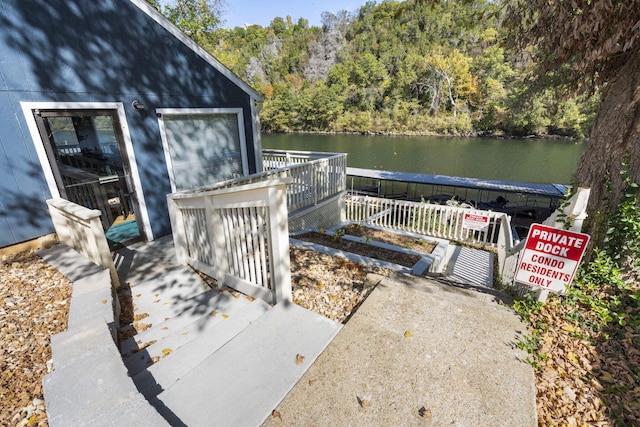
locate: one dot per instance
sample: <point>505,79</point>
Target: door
<point>85,150</point>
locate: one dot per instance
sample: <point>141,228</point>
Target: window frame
<point>238,112</point>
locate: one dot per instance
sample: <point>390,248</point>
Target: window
<point>203,146</point>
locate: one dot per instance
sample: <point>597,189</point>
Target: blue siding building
<point>108,104</point>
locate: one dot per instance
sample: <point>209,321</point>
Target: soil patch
<point>391,238</point>
<point>365,249</point>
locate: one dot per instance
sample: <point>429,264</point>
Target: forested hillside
<point>397,67</point>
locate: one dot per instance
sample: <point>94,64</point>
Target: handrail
<point>314,176</point>
<point>238,235</point>
<point>81,229</point>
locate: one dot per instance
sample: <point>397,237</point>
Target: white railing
<point>81,229</point>
<point>238,235</point>
<point>428,219</point>
<point>314,177</point>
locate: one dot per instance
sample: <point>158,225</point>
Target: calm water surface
<point>530,160</point>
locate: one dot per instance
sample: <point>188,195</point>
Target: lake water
<point>526,160</point>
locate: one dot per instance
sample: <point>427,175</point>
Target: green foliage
<point>622,238</point>
<point>396,66</point>
<point>196,18</point>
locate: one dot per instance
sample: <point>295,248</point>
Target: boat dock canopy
<point>548,190</point>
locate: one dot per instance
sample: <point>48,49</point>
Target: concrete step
<point>163,339</point>
<point>163,298</point>
<point>200,309</point>
<point>182,359</point>
<point>241,383</point>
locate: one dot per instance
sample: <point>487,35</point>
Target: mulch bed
<point>365,249</point>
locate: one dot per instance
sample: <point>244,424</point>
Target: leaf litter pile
<point>585,349</point>
<point>34,304</point>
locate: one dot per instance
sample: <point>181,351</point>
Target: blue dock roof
<point>548,190</point>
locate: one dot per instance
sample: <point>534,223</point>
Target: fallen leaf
<point>214,313</point>
<point>104,301</point>
<point>363,402</point>
<point>166,352</point>
<point>138,295</point>
<point>407,334</point>
<point>606,377</point>
<point>568,328</point>
<point>276,414</point>
<point>312,382</point>
<point>224,316</point>
<point>164,328</point>
<point>572,357</point>
<point>299,359</point>
<point>424,412</point>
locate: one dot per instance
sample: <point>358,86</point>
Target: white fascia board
<point>175,31</point>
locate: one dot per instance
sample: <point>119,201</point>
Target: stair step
<point>246,379</point>
<point>200,310</point>
<point>162,374</point>
<point>168,341</point>
<point>165,297</point>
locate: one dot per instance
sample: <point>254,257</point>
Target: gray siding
<point>95,51</point>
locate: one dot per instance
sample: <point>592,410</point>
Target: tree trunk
<point>615,134</point>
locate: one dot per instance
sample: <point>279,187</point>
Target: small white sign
<point>475,222</point>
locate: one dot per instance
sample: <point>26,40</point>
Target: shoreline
<point>434,134</point>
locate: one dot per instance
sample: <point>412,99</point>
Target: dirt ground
<point>337,241</point>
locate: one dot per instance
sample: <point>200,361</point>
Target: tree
<point>196,18</point>
<point>589,46</point>
<point>452,74</point>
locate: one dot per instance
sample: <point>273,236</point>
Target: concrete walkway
<point>418,352</point>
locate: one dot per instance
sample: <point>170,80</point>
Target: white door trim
<point>29,108</point>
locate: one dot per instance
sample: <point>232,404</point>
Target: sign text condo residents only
<point>551,257</point>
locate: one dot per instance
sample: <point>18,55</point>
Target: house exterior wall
<point>107,51</point>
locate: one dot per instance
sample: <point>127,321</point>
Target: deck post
<point>279,236</point>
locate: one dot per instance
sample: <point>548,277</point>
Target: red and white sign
<point>475,222</point>
<point>550,257</point>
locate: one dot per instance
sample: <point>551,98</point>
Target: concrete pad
<point>164,373</point>
<point>241,383</point>
<point>418,347</point>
